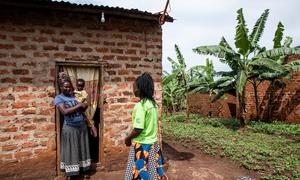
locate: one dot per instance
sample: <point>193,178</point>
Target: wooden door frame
<point>81,63</point>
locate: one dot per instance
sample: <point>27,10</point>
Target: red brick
<point>20,71</point>
<point>128,79</point>
<point>108,57</point>
<point>69,48</point>
<point>3,55</point>
<point>26,80</point>
<point>29,145</point>
<point>117,36</point>
<point>27,97</point>
<point>7,46</point>
<point>102,50</point>
<point>77,42</point>
<point>86,49</point>
<point>117,51</point>
<point>115,79</point>
<point>9,147</point>
<point>66,33</point>
<point>8,80</point>
<point>16,56</point>
<point>40,104</point>
<point>4,71</point>
<point>27,30</point>
<point>59,40</point>
<point>106,43</point>
<point>31,64</point>
<point>47,31</point>
<point>29,127</point>
<point>4,63</point>
<point>2,36</point>
<point>29,111</point>
<point>40,54</point>
<point>40,134</point>
<point>127,93</point>
<point>48,127</point>
<point>122,58</point>
<point>50,48</point>
<point>39,120</point>
<point>19,105</point>
<point>28,47</point>
<point>123,72</point>
<point>115,107</point>
<point>123,44</point>
<point>5,156</point>
<point>46,111</point>
<point>131,37</point>
<point>21,136</point>
<point>135,59</point>
<point>40,39</point>
<point>23,154</point>
<point>10,129</point>
<point>137,45</point>
<point>20,88</point>
<point>86,34</point>
<point>94,42</point>
<point>122,100</point>
<point>60,55</point>
<point>19,38</point>
<point>111,72</point>
<point>137,72</point>
<point>4,138</point>
<point>130,51</point>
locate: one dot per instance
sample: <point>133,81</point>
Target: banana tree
<point>247,61</point>
<point>181,76</point>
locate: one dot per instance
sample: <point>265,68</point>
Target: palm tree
<point>247,61</point>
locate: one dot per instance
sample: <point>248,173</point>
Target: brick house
<point>40,37</point>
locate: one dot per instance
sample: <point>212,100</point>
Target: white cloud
<point>205,22</point>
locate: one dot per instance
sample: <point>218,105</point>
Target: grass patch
<point>261,148</point>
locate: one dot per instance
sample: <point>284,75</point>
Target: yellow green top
<point>145,116</point>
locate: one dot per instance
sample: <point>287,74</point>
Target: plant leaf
<point>288,41</point>
<point>267,63</point>
<point>180,57</point>
<point>259,27</point>
<point>274,53</point>
<point>278,35</point>
<point>241,82</point>
<point>241,35</point>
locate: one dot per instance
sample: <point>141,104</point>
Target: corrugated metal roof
<point>85,8</point>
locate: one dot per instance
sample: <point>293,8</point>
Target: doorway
<point>92,74</point>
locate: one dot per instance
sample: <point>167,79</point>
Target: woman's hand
<point>93,131</point>
<point>83,105</point>
<point>127,141</point>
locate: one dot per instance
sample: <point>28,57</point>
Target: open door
<point>92,74</point>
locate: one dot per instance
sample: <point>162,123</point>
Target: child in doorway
<point>145,160</point>
<point>82,96</point>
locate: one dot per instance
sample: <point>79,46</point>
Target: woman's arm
<point>134,133</point>
<point>66,111</point>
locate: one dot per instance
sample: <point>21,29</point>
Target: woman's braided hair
<point>145,87</point>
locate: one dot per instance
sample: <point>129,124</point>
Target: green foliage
<point>278,35</point>
<point>265,148</point>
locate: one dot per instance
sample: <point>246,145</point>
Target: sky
<point>204,22</point>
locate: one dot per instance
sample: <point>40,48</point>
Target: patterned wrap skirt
<point>145,161</point>
<point>74,150</point>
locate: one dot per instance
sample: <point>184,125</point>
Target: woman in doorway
<point>145,159</point>
<point>74,147</point>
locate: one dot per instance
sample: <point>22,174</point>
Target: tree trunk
<point>270,100</point>
<point>256,99</point>
<point>241,110</point>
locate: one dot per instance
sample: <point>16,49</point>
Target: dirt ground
<point>182,164</point>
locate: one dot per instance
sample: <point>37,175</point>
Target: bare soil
<point>181,163</point>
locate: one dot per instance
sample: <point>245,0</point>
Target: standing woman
<point>145,158</point>
<point>74,147</point>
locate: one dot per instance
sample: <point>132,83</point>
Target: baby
<point>82,96</point>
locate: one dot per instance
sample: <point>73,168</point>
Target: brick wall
<point>31,42</point>
<point>199,103</point>
<point>286,101</point>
